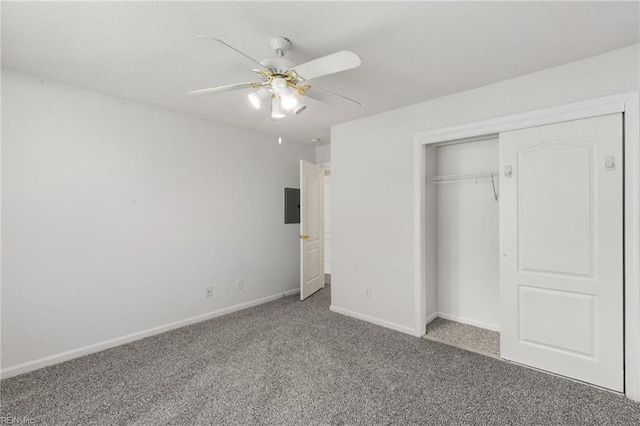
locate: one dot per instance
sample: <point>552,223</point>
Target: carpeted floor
<point>480,340</point>
<point>292,362</point>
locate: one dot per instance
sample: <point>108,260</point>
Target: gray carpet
<point>480,340</point>
<point>292,362</point>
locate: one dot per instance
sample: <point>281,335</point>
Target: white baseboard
<point>373,320</point>
<point>462,320</point>
<point>431,318</point>
<point>15,370</point>
<point>285,294</point>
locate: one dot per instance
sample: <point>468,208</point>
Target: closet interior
<point>463,182</point>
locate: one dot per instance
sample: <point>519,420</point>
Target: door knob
<point>304,236</point>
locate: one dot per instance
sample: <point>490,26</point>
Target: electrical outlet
<point>209,291</point>
<point>367,292</point>
<point>239,284</point>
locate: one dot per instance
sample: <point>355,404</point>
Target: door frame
<point>424,225</point>
<point>326,166</point>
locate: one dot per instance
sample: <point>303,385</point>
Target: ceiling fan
<point>284,85</point>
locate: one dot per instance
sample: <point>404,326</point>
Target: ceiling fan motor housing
<point>277,65</point>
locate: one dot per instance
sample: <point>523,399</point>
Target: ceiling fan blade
<point>247,57</point>
<point>336,62</point>
<point>220,89</point>
<point>331,98</point>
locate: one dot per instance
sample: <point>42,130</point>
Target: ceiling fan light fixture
<point>299,108</point>
<point>279,83</point>
<point>289,100</point>
<point>256,98</point>
<point>276,108</point>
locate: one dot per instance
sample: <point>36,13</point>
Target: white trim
<point>632,245</point>
<point>574,111</point>
<point>431,318</point>
<point>419,243</point>
<point>628,103</point>
<point>468,321</point>
<point>377,321</point>
<point>276,296</point>
<point>97,347</point>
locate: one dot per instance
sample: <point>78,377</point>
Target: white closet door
<point>561,270</point>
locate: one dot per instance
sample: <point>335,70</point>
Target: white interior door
<point>311,229</point>
<point>561,261</point>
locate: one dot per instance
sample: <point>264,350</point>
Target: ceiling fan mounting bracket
<point>280,45</point>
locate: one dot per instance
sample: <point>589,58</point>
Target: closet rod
<point>475,178</point>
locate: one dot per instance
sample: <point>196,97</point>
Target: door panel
<point>561,281</point>
<point>554,330</point>
<point>311,229</point>
<point>548,232</point>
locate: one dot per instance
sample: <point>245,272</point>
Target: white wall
<point>373,174</point>
<point>323,154</point>
<point>467,234</point>
<point>117,215</point>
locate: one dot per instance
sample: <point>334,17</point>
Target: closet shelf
<point>475,178</point>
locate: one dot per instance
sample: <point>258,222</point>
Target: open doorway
<point>464,181</point>
<point>327,222</point>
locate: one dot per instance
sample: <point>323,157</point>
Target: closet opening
<point>568,240</point>
<point>462,199</point>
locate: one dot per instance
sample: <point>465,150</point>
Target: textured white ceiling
<point>411,51</point>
